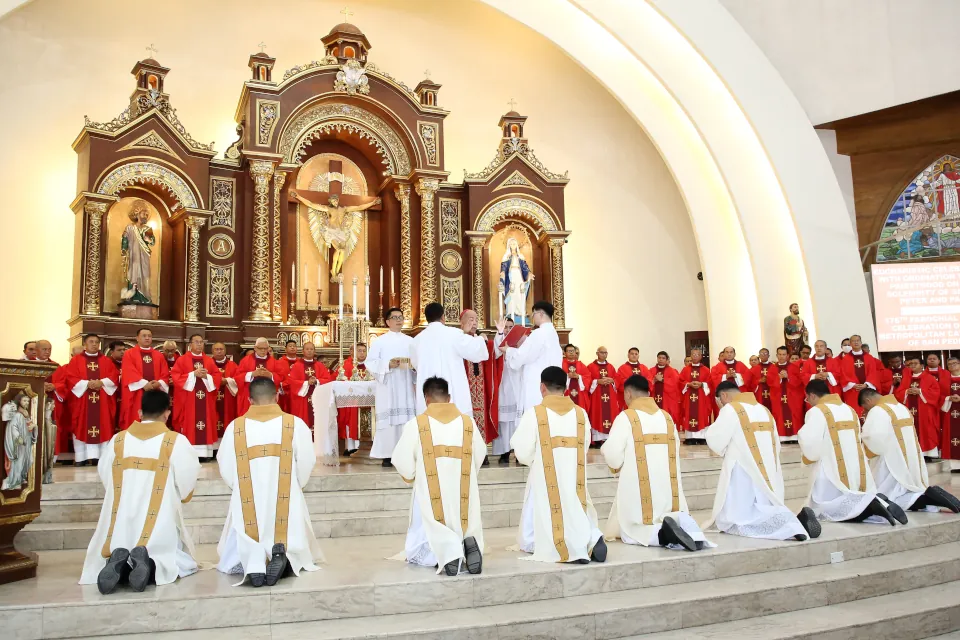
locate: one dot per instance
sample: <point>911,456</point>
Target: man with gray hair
<point>259,364</point>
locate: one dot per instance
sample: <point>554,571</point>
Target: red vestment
<point>226,400</point>
<point>857,369</point>
<point>61,410</point>
<point>790,398</point>
<point>348,418</point>
<point>666,393</point>
<point>950,439</point>
<point>924,407</point>
<point>720,371</point>
<point>139,364</point>
<point>92,413</point>
<point>605,399</point>
<point>170,362</point>
<point>816,365</point>
<point>248,365</point>
<point>484,396</point>
<point>284,366</point>
<point>767,387</point>
<point>626,370</point>
<point>580,396</point>
<point>943,379</point>
<point>696,405</point>
<point>896,377</point>
<point>302,406</point>
<point>195,411</point>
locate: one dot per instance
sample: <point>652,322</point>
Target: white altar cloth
<point>327,398</point>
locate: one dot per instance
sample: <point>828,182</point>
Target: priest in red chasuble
<point>950,440</point>
<point>259,364</point>
<point>484,380</point>
<point>196,379</point>
<point>144,369</point>
<point>63,399</point>
<point>858,371</point>
<point>348,418</point>
<point>665,386</point>
<point>632,367</point>
<point>696,406</point>
<point>820,366</point>
<point>604,396</point>
<point>227,392</point>
<point>93,381</point>
<point>891,375</point>
<point>578,378</point>
<point>941,374</point>
<point>304,377</point>
<point>791,396</point>
<point>284,366</point>
<point>729,368</point>
<point>920,393</point>
<point>767,390</point>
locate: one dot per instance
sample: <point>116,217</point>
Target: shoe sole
<point>945,499</point>
<point>256,578</point>
<point>452,568</point>
<point>471,551</point>
<point>599,553</point>
<point>894,509</point>
<point>140,573</point>
<point>115,570</point>
<point>276,568</point>
<point>682,537</point>
<point>808,519</point>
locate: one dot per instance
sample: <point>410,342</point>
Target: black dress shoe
<point>898,514</point>
<point>386,463</point>
<point>79,464</point>
<point>938,497</point>
<point>932,459</point>
<point>876,508</point>
<point>800,537</point>
<point>278,564</point>
<point>115,572</point>
<point>505,458</point>
<point>700,545</point>
<point>954,470</point>
<point>599,553</point>
<point>486,462</point>
<point>471,551</point>
<point>258,579</point>
<point>452,568</point>
<point>808,519</point>
<point>143,569</point>
<point>672,533</point>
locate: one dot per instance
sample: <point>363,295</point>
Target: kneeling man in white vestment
<point>440,453</point>
<point>147,472</point>
<point>558,522</point>
<point>266,458</point>
<point>842,487</point>
<point>890,440</point>
<point>644,448</point>
<point>749,499</point>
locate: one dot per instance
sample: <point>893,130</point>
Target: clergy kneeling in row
<point>644,447</point>
<point>890,437</point>
<point>843,489</point>
<point>440,452</point>
<point>266,457</point>
<point>749,499</point>
<point>558,521</point>
<point>147,472</point>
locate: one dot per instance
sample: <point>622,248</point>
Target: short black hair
<point>27,343</point>
<point>633,349</point>
<point>153,403</point>
<point>546,307</point>
<point>567,346</point>
<point>391,310</point>
<point>288,342</point>
<point>117,343</point>
<point>782,348</point>
<point>90,335</point>
<point>435,387</point>
<point>865,394</point>
<point>142,329</point>
<point>637,383</point>
<point>664,354</point>
<point>195,335</point>
<point>262,389</point>
<point>554,379</point>
<point>931,353</point>
<point>726,385</point>
<point>817,388</point>
<point>433,312</point>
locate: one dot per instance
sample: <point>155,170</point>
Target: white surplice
<point>540,349</point>
<point>396,391</point>
<point>829,497</point>
<point>428,541</point>
<point>169,545</point>
<point>580,529</point>
<point>439,351</point>
<point>626,516</point>
<point>746,504</point>
<point>240,553</point>
<point>508,409</point>
<point>899,475</point>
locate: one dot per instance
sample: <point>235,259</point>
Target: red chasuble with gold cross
<point>139,364</point>
<point>195,410</point>
<point>348,418</point>
<point>226,401</point>
<point>857,368</point>
<point>626,370</point>
<point>950,445</point>
<point>790,398</point>
<point>484,381</point>
<point>284,367</point>
<point>666,392</point>
<point>302,406</point>
<point>696,406</point>
<point>767,390</point>
<point>93,412</point>
<point>605,399</point>
<point>578,389</point>
<point>925,406</point>
<point>248,365</point>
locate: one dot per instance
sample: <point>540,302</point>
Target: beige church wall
<point>632,259</point>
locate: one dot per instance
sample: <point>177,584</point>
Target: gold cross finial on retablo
<point>152,50</point>
<point>512,103</point>
<point>346,13</point>
<point>262,46</point>
<point>426,74</point>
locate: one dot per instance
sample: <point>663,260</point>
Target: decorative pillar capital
<point>427,187</point>
<point>195,223</point>
<point>406,263</point>
<point>262,168</point>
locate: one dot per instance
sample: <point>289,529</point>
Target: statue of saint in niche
<point>333,226</point>
<point>18,441</point>
<point>515,281</point>
<point>136,247</point>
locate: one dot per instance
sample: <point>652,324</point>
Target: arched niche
<point>522,207</point>
<point>532,251</point>
<point>169,184</point>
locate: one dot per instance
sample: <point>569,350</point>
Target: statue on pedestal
<point>795,334</point>
<point>136,247</point>
<point>334,226</point>
<point>515,281</point>
<point>18,441</point>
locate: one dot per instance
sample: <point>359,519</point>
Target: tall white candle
<point>354,297</point>
<point>381,278</point>
<point>293,276</point>
<point>392,290</point>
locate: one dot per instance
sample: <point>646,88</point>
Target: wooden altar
<point>234,258</point>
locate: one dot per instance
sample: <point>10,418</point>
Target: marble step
<point>357,594</point>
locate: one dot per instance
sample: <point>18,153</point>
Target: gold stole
<point>898,425</point>
<point>547,444</point>
<point>160,468</point>
<point>244,455</point>
<point>750,430</point>
<point>640,442</point>
<point>430,454</point>
<point>835,428</point>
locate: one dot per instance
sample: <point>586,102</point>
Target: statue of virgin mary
<point>515,281</point>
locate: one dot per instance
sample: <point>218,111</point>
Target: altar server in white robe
<point>540,349</point>
<point>266,458</point>
<point>842,487</point>
<point>652,512</point>
<point>558,521</point>
<point>140,536</point>
<point>395,404</point>
<point>890,437</point>
<point>508,409</point>
<point>440,453</point>
<point>749,500</point>
<point>439,351</point>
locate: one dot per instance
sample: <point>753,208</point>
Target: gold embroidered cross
<point>93,366</point>
<point>606,423</point>
<point>788,423</point>
<point>636,371</point>
<point>605,398</point>
<point>138,463</point>
<point>955,387</point>
<point>246,501</point>
<point>220,395</point>
<point>913,411</point>
<point>93,432</point>
<point>955,442</point>
<point>858,363</point>
<point>955,413</point>
<point>821,368</point>
<point>573,393</point>
<point>694,374</point>
<point>603,373</point>
<point>94,397</point>
<point>694,397</point>
<point>163,466</point>
<point>693,422</point>
<point>783,398</point>
<point>658,399</point>
<point>766,393</point>
<point>201,395</point>
<point>555,508</point>
<point>147,359</point>
<point>283,497</point>
<point>220,425</point>
<point>201,425</point>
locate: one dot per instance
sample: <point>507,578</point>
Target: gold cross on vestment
<point>573,393</point>
<point>955,387</point>
<point>263,450</point>
<point>220,424</point>
<point>200,394</point>
<point>694,397</point>
<point>93,366</point>
<point>955,442</point>
<point>603,373</point>
<point>138,463</point>
<point>201,425</point>
<point>147,359</point>
<point>693,422</point>
<point>220,395</point>
<point>605,398</point>
<point>766,393</point>
<point>858,363</point>
<point>658,399</point>
<point>93,432</point>
<point>913,411</point>
<point>694,374</point>
<point>283,497</point>
<point>606,423</point>
<point>94,397</point>
<point>163,466</point>
<point>955,414</point>
<point>783,399</point>
<point>821,368</point>
<point>788,423</point>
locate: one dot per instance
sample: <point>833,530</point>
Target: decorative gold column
<point>406,277</point>
<point>477,243</point>
<point>278,179</point>
<point>92,284</point>
<point>556,264</point>
<point>192,309</point>
<point>261,170</point>
<point>427,190</point>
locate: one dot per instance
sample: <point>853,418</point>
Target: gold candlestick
<point>380,322</point>
<point>292,318</point>
<point>319,320</point>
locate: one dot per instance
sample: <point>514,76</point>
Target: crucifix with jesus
<point>335,218</point>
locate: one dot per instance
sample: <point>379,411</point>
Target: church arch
<point>520,206</point>
<point>149,172</point>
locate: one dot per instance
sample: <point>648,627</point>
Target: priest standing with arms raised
<point>395,404</point>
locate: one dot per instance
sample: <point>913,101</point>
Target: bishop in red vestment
<point>484,381</point>
<point>578,378</point>
<point>857,371</point>
<point>632,367</point>
<point>696,408</point>
<point>920,393</point>
<point>196,379</point>
<point>227,393</point>
<point>729,368</point>
<point>792,395</point>
<point>820,366</point>
<point>766,379</point>
<point>665,387</point>
<point>144,369</point>
<point>92,379</point>
<point>284,366</point>
<point>348,418</point>
<point>259,364</point>
<point>304,377</point>
<point>604,396</point>
<point>950,439</point>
